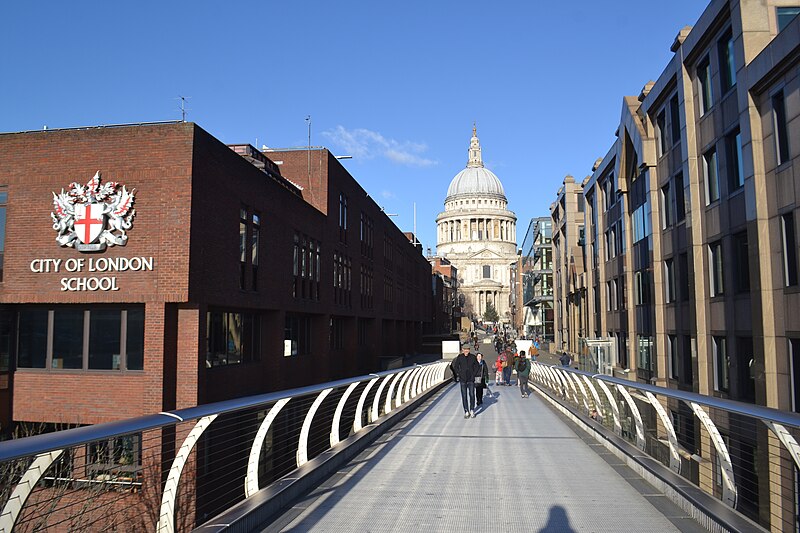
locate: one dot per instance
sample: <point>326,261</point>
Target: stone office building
<point>691,236</point>
<point>151,267</point>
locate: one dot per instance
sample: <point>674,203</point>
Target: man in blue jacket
<point>465,369</point>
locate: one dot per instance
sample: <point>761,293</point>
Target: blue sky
<point>397,85</point>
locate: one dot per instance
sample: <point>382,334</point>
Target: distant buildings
<point>678,256</point>
<point>535,294</point>
<point>446,309</point>
<point>477,233</point>
<point>187,272</point>
<point>569,280</point>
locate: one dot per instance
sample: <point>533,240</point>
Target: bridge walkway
<point>516,466</point>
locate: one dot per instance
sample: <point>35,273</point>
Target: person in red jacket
<point>498,376</point>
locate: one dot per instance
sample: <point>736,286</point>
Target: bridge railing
<point>175,470</point>
<point>744,455</point>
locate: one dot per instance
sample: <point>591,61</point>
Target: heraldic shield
<point>93,216</point>
<point>89,224</point>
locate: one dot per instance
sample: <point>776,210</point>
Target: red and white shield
<point>89,222</point>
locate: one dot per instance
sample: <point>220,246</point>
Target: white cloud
<point>366,144</point>
<point>387,194</point>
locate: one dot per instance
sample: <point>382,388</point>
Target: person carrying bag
<point>481,379</point>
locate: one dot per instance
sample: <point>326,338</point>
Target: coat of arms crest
<point>92,216</point>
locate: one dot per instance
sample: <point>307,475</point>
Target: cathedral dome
<point>475,180</point>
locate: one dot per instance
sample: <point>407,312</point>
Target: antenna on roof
<point>308,121</point>
<point>183,107</point>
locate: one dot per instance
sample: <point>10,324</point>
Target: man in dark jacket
<point>465,369</point>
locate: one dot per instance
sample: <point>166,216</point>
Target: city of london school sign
<point>89,219</point>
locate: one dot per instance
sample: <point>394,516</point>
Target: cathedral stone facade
<point>478,234</point>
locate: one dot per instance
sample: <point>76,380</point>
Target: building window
<point>641,221</point>
<point>666,207</point>
<point>487,271</point>
<point>641,287</point>
<point>232,338</point>
<point>342,279</point>
<point>104,340</point>
<point>680,204</point>
<point>779,126</point>
<point>727,61</point>
<point>297,335</point>
<point>306,267</point>
<point>794,362</point>
<point>296,266</point>
<point>337,333</point>
<point>134,338</point>
<point>711,176</point>
<point>669,281</point>
<point>675,126</point>
<point>99,338</point>
<point>367,235</point>
<point>686,374</point>
<point>704,86</point>
<point>118,458</point>
<point>342,217</point>
<point>242,246</point>
<point>388,293</point>
<point>672,354</point>
<point>608,192</point>
<point>733,148</point>
<point>367,276</point>
<point>661,133</point>
<point>254,240</point>
<point>68,332</point>
<point>32,338</point>
<point>646,363</point>
<point>363,331</point>
<point>721,364</point>
<point>789,250</point>
<point>608,296</point>
<point>745,375</point>
<point>785,15</point>
<point>3,204</point>
<point>683,276</point>
<point>742,269</point>
<point>715,268</point>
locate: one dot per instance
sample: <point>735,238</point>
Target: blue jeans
<point>507,374</point>
<point>468,387</point>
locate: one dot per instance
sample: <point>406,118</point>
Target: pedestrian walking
<point>523,368</point>
<point>466,369</point>
<point>565,359</point>
<point>498,374</point>
<point>505,357</point>
<point>482,381</point>
<point>508,367</point>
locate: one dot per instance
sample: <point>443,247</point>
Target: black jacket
<point>466,367</point>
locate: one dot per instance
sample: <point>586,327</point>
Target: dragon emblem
<point>92,216</point>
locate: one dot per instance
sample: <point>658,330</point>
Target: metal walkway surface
<point>517,466</point>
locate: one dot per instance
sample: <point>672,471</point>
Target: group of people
<point>472,373</point>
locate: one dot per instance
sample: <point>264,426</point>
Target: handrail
<point>38,453</point>
<point>718,453</point>
<point>741,408</point>
<point>34,445</point>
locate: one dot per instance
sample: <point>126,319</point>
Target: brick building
<point>211,273</point>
